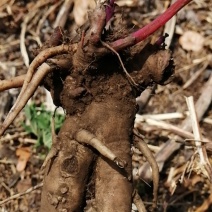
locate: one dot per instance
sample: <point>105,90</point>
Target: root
<point>138,202</point>
<point>150,158</point>
<point>15,82</point>
<point>21,102</point>
<point>31,83</point>
<point>41,58</point>
<point>84,136</point>
<point>130,79</point>
<point>61,63</point>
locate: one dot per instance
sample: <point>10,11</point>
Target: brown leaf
<point>192,41</point>
<point>24,154</point>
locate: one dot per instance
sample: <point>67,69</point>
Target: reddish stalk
<point>110,7</point>
<point>150,28</point>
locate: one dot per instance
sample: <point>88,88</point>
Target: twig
<point>6,161</point>
<point>9,137</point>
<point>138,202</point>
<point>170,127</point>
<point>194,63</point>
<point>44,17</point>
<point>163,116</point>
<point>27,141</point>
<point>207,120</point>
<point>196,75</point>
<point>22,37</point>
<point>170,146</point>
<point>169,29</point>
<point>204,162</point>
<point>21,194</point>
<point>195,126</point>
<point>63,13</point>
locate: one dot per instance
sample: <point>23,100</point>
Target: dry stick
<point>171,146</point>
<point>166,116</point>
<point>170,127</point>
<point>15,82</point>
<point>38,77</point>
<point>9,137</point>
<point>207,120</point>
<point>44,17</point>
<point>138,202</point>
<point>170,29</point>
<point>84,136</point>
<point>160,116</point>
<point>63,13</point>
<point>22,37</point>
<point>204,162</point>
<point>143,147</point>
<point>194,62</point>
<point>27,19</point>
<point>196,75</point>
<point>21,194</point>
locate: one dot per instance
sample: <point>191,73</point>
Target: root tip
<point>120,163</point>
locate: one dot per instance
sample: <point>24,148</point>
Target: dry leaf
<point>24,154</point>
<point>191,41</point>
<point>23,185</point>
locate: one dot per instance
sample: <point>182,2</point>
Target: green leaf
<point>39,123</point>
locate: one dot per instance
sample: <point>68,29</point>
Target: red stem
<point>150,28</point>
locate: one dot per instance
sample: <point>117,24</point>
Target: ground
<point>25,25</point>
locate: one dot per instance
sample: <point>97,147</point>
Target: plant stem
<point>150,28</point>
<point>159,21</point>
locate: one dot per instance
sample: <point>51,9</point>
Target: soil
<point>195,189</point>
